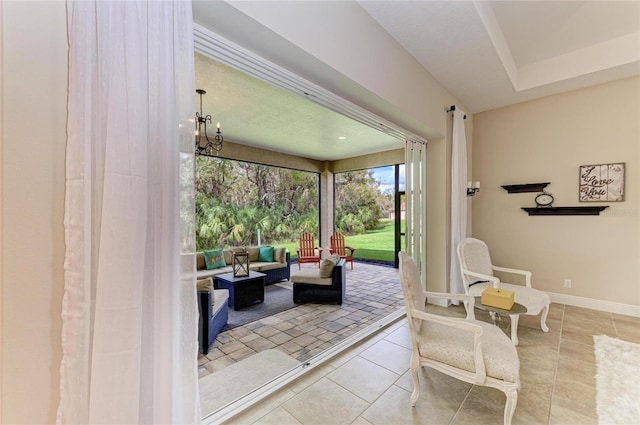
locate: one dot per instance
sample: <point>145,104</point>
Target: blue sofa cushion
<point>266,254</point>
<point>214,259</point>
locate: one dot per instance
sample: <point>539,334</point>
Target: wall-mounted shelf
<point>521,188</point>
<point>565,210</point>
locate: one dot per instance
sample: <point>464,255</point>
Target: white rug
<point>617,381</point>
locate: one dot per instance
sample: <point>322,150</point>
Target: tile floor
<point>372,292</point>
<point>370,383</point>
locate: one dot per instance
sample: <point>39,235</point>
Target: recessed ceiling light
<point>341,138</point>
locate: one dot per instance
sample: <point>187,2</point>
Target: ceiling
<point>488,54</point>
<point>255,113</point>
<point>491,54</point>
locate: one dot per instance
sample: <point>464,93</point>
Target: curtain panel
<point>129,336</point>
<point>458,198</point>
<point>416,205</point>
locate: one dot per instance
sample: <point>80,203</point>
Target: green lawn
<point>376,244</point>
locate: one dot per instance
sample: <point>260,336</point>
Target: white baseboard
<point>439,301</point>
<point>608,306</point>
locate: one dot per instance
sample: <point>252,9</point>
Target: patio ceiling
<point>255,113</point>
<point>488,54</point>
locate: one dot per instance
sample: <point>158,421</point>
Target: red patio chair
<point>308,252</point>
<point>338,247</point>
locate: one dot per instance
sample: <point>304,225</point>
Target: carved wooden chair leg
<point>543,318</point>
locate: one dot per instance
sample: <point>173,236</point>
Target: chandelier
<point>204,144</point>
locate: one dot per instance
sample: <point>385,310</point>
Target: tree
<point>234,199</point>
<point>358,202</point>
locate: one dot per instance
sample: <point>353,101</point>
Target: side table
<point>495,312</point>
<point>243,290</point>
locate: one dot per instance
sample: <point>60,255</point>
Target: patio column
<point>327,209</point>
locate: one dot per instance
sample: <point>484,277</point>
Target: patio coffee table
<point>495,312</point>
<point>243,290</point>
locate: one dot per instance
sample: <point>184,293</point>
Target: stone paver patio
<point>372,292</point>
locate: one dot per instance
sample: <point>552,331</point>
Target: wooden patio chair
<point>338,247</point>
<point>308,252</point>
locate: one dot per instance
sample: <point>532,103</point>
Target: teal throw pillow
<point>266,254</point>
<point>214,259</point>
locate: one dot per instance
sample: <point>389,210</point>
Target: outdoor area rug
<point>277,298</point>
<point>617,380</point>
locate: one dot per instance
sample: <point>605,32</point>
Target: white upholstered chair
<point>467,349</point>
<point>477,274</point>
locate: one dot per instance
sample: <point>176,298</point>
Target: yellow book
<point>500,298</point>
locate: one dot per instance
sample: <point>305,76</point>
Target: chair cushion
<point>310,276</point>
<point>261,267</point>
<point>222,296</point>
<point>266,254</point>
<point>228,256</point>
<point>203,274</point>
<point>214,259</point>
<point>533,299</point>
<point>207,285</point>
<point>254,254</point>
<point>454,347</point>
<point>280,255</point>
<point>475,256</point>
<point>200,263</point>
<point>327,265</point>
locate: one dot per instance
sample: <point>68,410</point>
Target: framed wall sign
<point>602,183</point>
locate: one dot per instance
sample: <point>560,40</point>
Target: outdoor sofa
<point>277,270</point>
<point>212,302</point>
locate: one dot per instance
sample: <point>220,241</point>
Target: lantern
<point>240,263</point>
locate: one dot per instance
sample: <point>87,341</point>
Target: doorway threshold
<point>246,401</point>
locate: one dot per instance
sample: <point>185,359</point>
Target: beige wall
<point>34,85</point>
<point>253,154</point>
<point>1,192</point>
<point>379,159</point>
<point>546,140</point>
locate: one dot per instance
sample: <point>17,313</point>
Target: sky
<point>385,176</point>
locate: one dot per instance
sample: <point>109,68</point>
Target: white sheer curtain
<point>458,198</point>
<point>129,335</point>
<point>416,204</point>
